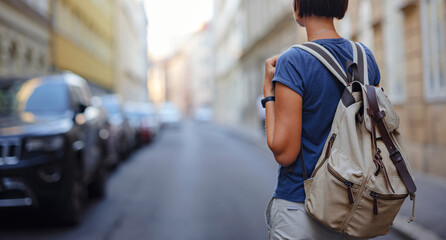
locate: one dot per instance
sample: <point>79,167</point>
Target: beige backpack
<point>361,178</point>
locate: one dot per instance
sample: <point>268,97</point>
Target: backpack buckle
<point>381,114</point>
<point>396,156</point>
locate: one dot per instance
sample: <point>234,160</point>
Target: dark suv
<point>51,144</point>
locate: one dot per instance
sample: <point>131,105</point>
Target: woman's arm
<point>283,118</point>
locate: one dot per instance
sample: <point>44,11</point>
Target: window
<point>434,49</point>
<point>28,57</point>
<point>13,51</point>
<point>42,61</point>
<point>394,59</point>
<point>12,58</point>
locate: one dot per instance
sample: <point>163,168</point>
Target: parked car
<point>122,134</point>
<point>170,115</point>
<point>112,154</point>
<point>204,114</point>
<point>144,119</point>
<point>150,125</point>
<point>50,144</point>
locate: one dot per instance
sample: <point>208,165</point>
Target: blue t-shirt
<point>321,93</point>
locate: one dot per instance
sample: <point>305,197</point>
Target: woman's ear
<point>299,20</point>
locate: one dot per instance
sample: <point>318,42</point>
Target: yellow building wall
<point>77,54</point>
<point>68,56</point>
<point>88,11</point>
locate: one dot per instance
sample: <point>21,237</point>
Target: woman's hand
<point>270,69</point>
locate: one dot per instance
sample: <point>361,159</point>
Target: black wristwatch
<point>267,99</point>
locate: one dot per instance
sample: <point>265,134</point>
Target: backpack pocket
<point>330,197</point>
<point>375,214</point>
<point>391,118</point>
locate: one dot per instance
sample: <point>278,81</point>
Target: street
<point>198,182</point>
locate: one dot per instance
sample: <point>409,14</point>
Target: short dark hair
<point>321,8</point>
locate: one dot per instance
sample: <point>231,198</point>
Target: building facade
<point>408,40</point>
<point>177,80</point>
<point>199,48</point>
<point>84,40</point>
<point>157,82</point>
<point>25,38</point>
<point>131,50</point>
<point>244,40</point>
<point>186,78</point>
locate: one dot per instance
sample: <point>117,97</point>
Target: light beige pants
<point>289,220</point>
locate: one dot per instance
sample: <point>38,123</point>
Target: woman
<point>306,97</point>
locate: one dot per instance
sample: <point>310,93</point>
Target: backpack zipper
<point>377,196</point>
<point>330,145</point>
<point>347,183</point>
<point>355,205</point>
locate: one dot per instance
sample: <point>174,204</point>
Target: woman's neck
<point>320,28</point>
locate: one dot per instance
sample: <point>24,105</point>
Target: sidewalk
<point>430,208</point>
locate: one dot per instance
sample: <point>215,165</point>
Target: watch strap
<point>267,99</point>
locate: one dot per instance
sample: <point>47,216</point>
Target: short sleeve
<point>288,72</point>
<point>372,67</point>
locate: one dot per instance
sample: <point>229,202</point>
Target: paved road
<point>198,182</point>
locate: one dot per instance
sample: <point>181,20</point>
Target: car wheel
<point>71,201</point>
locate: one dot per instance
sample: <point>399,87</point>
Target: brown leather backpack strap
<point>394,152</point>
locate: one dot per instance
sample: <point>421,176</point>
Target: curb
<point>413,231</point>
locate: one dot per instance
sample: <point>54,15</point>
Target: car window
<point>34,95</point>
<point>78,96</point>
<point>48,97</point>
<point>85,94</point>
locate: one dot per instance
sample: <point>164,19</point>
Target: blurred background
<point>140,119</point>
